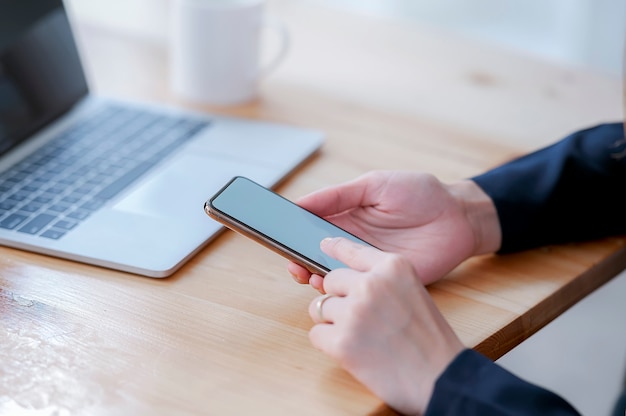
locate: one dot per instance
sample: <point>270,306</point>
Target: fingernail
<point>326,241</point>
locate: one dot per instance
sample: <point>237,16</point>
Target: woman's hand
<point>433,225</point>
<point>382,326</point>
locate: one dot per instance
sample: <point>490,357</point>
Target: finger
<point>340,281</point>
<point>317,283</point>
<point>322,336</point>
<point>354,255</point>
<point>299,273</point>
<point>336,199</point>
<point>323,309</point>
<point>303,276</point>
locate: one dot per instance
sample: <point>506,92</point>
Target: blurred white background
<point>576,32</point>
<point>582,354</point>
<point>586,33</point>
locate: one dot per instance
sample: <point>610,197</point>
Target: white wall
<point>577,32</point>
<point>147,18</point>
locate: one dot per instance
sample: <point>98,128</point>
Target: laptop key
<point>7,205</point>
<point>121,183</point>
<point>31,187</point>
<point>53,234</point>
<point>17,197</point>
<point>92,205</point>
<point>79,214</point>
<point>37,224</point>
<point>13,221</point>
<point>31,206</point>
<point>58,208</point>
<point>65,225</point>
<point>44,198</point>
<point>71,199</point>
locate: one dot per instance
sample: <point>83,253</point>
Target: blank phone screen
<point>279,219</point>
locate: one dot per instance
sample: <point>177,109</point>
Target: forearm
<point>570,191</point>
<point>481,214</point>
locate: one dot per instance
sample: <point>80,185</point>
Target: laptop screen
<point>41,76</point>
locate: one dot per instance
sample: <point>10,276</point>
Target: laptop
<point>113,183</point>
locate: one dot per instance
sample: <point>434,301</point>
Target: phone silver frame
<point>262,239</point>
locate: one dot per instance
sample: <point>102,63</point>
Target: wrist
<point>481,214</point>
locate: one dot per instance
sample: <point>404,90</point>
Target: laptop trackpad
<point>183,185</point>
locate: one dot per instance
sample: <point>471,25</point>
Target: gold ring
<point>319,304</point>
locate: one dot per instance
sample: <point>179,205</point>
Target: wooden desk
<point>227,334</point>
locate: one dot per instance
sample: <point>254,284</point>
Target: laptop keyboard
<point>62,183</point>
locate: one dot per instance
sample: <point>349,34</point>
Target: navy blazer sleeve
<point>571,191</point>
<point>472,385</point>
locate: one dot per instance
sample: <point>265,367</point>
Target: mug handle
<point>283,34</point>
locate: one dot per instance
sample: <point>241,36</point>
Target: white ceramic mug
<point>215,49</point>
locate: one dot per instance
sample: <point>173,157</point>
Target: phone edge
<point>262,239</point>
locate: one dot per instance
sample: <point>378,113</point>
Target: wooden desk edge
<point>526,325</point>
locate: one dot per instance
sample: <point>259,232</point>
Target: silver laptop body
<point>131,201</point>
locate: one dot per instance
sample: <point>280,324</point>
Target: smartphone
<point>277,223</point>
